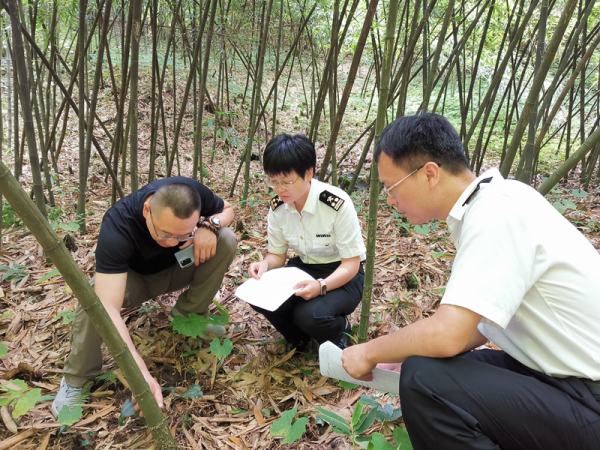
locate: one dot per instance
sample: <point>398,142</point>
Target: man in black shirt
<point>135,262</point>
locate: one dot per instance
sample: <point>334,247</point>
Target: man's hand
<point>308,289</point>
<point>205,245</point>
<point>355,361</point>
<point>256,269</point>
<point>154,388</point>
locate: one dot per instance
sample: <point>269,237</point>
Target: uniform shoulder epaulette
<point>276,202</point>
<point>331,200</point>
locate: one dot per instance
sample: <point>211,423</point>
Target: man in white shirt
<point>523,277</point>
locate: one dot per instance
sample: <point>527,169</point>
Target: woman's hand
<point>256,269</point>
<point>308,289</point>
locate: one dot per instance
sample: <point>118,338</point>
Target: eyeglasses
<point>388,190</point>
<point>164,237</point>
<point>283,185</point>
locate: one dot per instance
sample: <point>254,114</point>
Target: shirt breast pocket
<point>325,246</point>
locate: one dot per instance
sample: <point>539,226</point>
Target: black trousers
<point>486,399</point>
<point>323,317</point>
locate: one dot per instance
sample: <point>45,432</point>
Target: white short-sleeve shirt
<point>326,230</point>
<point>530,273</point>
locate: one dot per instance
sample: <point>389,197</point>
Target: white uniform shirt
<point>532,275</point>
<point>326,231</point>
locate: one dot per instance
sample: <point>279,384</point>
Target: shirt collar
<point>311,201</point>
<point>458,210</point>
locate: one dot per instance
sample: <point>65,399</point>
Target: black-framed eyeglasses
<point>164,237</point>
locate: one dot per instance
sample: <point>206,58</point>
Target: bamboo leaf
<point>48,276</point>
<point>334,419</point>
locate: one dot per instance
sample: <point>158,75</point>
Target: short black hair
<point>286,153</point>
<point>412,141</point>
<point>181,198</point>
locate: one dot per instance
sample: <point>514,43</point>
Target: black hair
<point>286,153</point>
<point>181,198</point>
<point>413,141</point>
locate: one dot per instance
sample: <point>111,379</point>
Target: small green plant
<point>283,427</point>
<point>66,316</point>
<point>3,350</point>
<point>15,272</point>
<point>18,396</point>
<point>69,415</point>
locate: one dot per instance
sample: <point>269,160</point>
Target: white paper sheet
<point>330,360</point>
<point>273,288</point>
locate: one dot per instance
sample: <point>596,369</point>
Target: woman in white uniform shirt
<point>319,223</point>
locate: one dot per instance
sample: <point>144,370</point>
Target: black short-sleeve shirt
<point>125,241</point>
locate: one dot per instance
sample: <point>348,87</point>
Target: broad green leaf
<point>569,205</point>
<point>3,349</point>
<point>422,229</point>
<point>362,441</point>
<point>193,392</point>
<point>192,326</point>
<point>578,193</point>
<point>48,276</point>
<point>369,401</point>
<point>70,415</point>
<point>69,226</point>
<point>26,402</point>
<point>13,394</point>
<point>334,419</point>
<point>283,427</point>
<point>127,411</point>
<point>388,413</point>
<point>378,442</point>
<point>347,386</point>
<point>222,309</point>
<point>560,207</point>
<point>402,439</point>
<point>66,316</point>
<point>221,350</point>
<point>356,414</point>
<point>365,422</point>
<point>438,254</point>
<point>280,426</point>
<point>296,431</point>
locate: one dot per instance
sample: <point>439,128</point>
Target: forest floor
<point>247,391</point>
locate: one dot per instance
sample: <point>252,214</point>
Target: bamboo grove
<point>519,79</point>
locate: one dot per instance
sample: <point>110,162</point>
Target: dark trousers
<point>486,399</point>
<point>323,317</point>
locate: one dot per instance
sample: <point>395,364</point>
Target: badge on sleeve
<point>276,202</point>
<point>331,200</point>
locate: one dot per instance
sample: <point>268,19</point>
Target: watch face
<point>215,221</point>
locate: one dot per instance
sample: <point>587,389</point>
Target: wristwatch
<point>214,221</point>
<point>323,286</point>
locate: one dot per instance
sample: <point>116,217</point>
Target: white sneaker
<point>67,395</point>
<point>217,330</point>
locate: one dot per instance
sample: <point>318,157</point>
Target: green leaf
<point>369,401</point>
<point>3,349</point>
<point>70,415</point>
<point>46,398</point>
<point>283,427</point>
<point>423,229</point>
<point>365,422</point>
<point>347,386</point>
<point>69,226</point>
<point>238,411</point>
<point>388,413</point>
<point>296,431</point>
<point>334,419</point>
<point>569,205</point>
<point>438,254</point>
<point>222,310</point>
<point>402,439</point>
<point>560,207</point>
<point>221,350</point>
<point>48,276</point>
<point>242,370</point>
<point>108,376</point>
<point>578,193</point>
<point>308,356</point>
<point>127,411</point>
<point>191,326</point>
<point>13,394</point>
<point>378,442</point>
<point>193,392</point>
<point>66,316</point>
<point>26,402</point>
<point>356,414</point>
